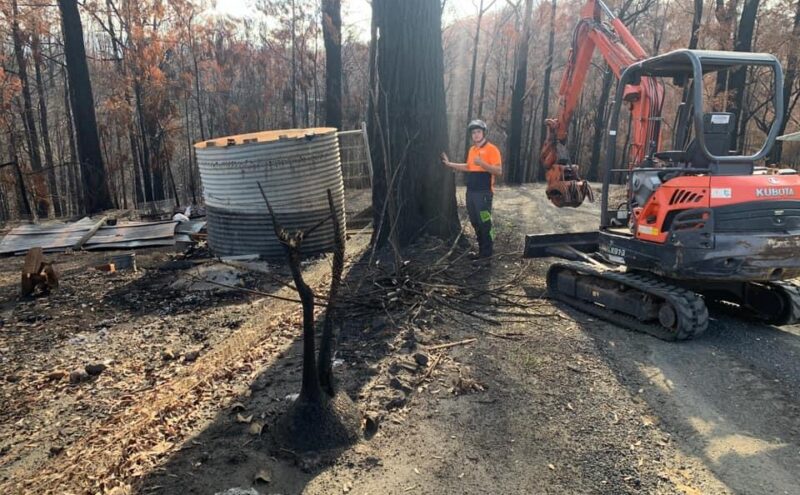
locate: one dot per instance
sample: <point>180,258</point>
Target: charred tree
<point>294,65</point>
<point>144,145</point>
<point>548,70</point>
<point>24,204</point>
<point>326,346</point>
<point>320,418</point>
<point>332,33</point>
<point>790,78</point>
<point>474,68</point>
<point>408,124</point>
<point>738,77</point>
<point>52,184</point>
<point>697,20</point>
<point>73,170</point>
<point>515,168</point>
<point>96,197</point>
<point>600,119</point>
<point>28,120</point>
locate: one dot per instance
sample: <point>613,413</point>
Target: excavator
<point>700,225</point>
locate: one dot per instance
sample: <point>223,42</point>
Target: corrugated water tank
<point>295,167</point>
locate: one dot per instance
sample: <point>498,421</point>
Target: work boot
<point>482,261</point>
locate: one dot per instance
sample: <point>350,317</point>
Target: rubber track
<point>690,308</point>
<point>789,290</point>
<point>792,292</point>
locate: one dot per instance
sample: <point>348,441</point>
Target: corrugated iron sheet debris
<point>51,237</point>
<point>57,237</point>
<point>133,235</point>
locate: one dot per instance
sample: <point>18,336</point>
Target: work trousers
<point>479,208</point>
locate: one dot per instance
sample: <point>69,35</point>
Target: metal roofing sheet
<point>49,236</point>
<point>55,237</point>
<point>133,234</point>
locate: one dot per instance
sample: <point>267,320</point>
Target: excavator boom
<point>619,49</point>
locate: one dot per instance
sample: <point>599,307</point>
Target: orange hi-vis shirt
<point>478,179</point>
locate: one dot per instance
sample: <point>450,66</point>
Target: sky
<point>356,14</point>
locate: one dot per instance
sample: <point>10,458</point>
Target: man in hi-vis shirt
<point>483,165</point>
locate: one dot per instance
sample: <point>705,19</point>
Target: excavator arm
<point>619,48</point>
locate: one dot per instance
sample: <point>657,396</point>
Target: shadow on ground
<point>226,454</point>
<point>730,398</point>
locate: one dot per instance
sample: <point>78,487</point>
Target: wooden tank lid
<point>263,137</point>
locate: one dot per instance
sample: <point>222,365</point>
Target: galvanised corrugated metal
<point>295,168</point>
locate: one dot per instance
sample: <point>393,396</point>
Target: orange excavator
<point>700,225</point>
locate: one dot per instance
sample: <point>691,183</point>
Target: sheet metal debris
<point>133,235</point>
<point>58,236</point>
<point>184,230</point>
<point>51,237</point>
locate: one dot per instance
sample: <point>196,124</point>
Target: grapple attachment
<point>566,188</point>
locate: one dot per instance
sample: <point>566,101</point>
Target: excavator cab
<point>719,128</point>
<point>702,140</point>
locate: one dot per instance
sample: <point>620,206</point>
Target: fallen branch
<point>88,235</point>
<point>436,360</point>
<point>248,291</point>
<point>451,344</point>
<point>501,336</point>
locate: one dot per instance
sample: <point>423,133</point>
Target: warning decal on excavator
<point>721,193</point>
<point>720,119</point>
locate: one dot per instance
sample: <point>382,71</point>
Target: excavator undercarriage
<point>663,308</point>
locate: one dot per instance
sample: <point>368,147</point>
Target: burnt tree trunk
<point>332,32</point>
<point>548,70</point>
<point>294,66</point>
<point>408,123</point>
<point>600,117</point>
<point>139,194</point>
<point>497,28</point>
<point>73,170</point>
<point>144,144</point>
<point>31,135</point>
<point>738,77</point>
<point>96,197</point>
<point>320,418</point>
<point>473,69</point>
<point>788,85</point>
<point>190,148</point>
<point>24,203</point>
<point>726,17</point>
<point>697,20</point>
<point>196,74</point>
<point>52,183</point>
<point>326,346</point>
<point>514,166</point>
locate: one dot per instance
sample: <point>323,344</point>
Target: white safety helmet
<point>478,124</point>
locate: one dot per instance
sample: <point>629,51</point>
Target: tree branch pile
<point>409,292</point>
